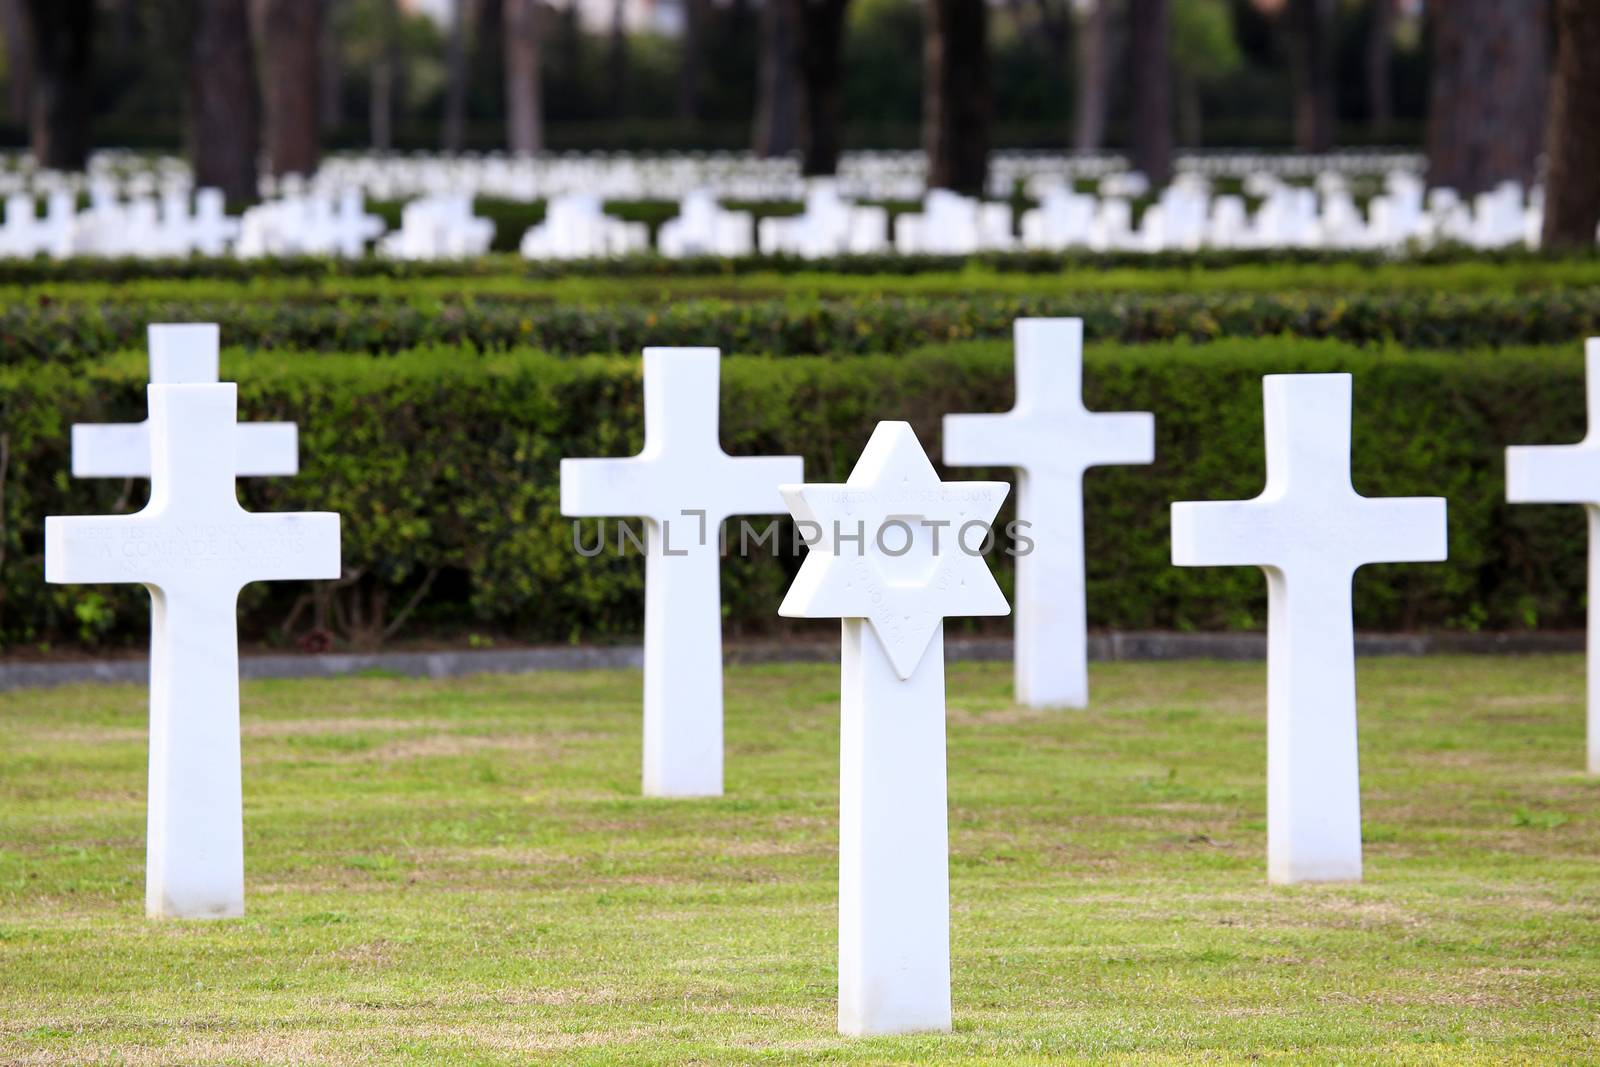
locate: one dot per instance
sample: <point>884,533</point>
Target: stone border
<point>1114,645</point>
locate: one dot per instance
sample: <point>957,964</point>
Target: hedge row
<point>40,271</point>
<point>73,334</point>
<point>445,471</point>
<point>1246,279</point>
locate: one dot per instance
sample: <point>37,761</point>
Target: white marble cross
<point>897,551</point>
<point>194,547</point>
<point>1052,439</point>
<point>1309,531</point>
<point>349,228</point>
<point>1570,474</point>
<point>684,486</point>
<point>180,354</point>
<point>210,230</point>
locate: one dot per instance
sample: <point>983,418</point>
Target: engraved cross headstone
<point>210,230</point>
<point>1052,439</point>
<point>684,486</point>
<point>1309,531</point>
<point>1570,474</point>
<point>194,547</point>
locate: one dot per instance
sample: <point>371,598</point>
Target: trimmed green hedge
<point>46,331</point>
<point>445,470</point>
<point>642,279</point>
<point>42,271</point>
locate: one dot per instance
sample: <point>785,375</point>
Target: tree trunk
<point>1490,80</point>
<point>1094,78</point>
<point>957,99</point>
<point>291,31</point>
<point>223,115</point>
<point>455,79</point>
<point>1380,54</point>
<point>617,60</point>
<point>63,36</point>
<point>819,43</point>
<point>1150,55</point>
<point>331,106</point>
<point>1311,30</point>
<point>19,59</point>
<point>691,45</point>
<point>775,133</point>
<point>524,98</point>
<point>1191,123</point>
<point>380,113</point>
<point>1572,184</point>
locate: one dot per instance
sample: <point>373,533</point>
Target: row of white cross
<point>142,226</point>
<point>866,175</point>
<point>1185,216</point>
<point>194,548</point>
<point>869,174</point>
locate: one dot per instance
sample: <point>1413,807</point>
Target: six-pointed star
<point>896,546</point>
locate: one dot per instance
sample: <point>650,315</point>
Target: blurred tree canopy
<point>1231,63</point>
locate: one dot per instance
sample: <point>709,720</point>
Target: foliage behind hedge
<point>445,470</point>
<point>73,333</point>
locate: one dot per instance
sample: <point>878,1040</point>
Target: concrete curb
<point>1115,645</point>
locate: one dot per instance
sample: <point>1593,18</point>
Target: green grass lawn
<point>463,871</point>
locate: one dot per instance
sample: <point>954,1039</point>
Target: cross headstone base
<point>1313,770</point>
<point>1593,657</point>
<point>194,866</point>
<point>682,664</point>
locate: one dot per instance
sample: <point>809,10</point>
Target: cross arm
<point>1402,529</point>
<point>122,450</point>
<point>1225,533</point>
<point>1553,474</point>
<point>1120,437</point>
<point>111,450</point>
<point>291,546</point>
<point>750,485</point>
<point>987,440</point>
<point>91,550</point>
<point>591,488</point>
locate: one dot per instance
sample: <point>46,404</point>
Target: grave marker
<point>1570,474</point>
<point>684,486</point>
<point>896,554</point>
<point>1052,439</point>
<point>1309,531</point>
<point>195,548</point>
